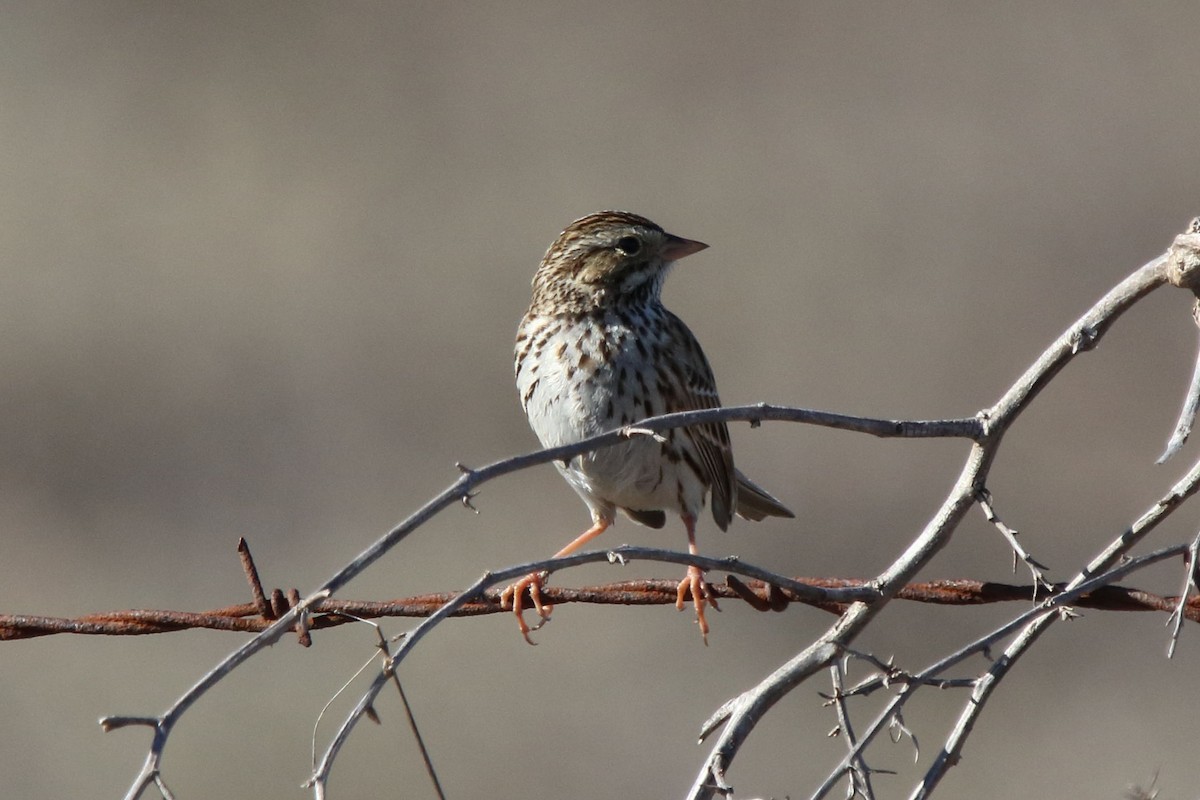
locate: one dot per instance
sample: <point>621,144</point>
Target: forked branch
<point>738,717</point>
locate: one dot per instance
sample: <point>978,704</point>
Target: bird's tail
<point>755,503</point>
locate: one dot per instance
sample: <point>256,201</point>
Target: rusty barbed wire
<point>256,616</point>
<point>249,617</point>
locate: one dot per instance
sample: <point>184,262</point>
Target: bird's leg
<point>694,582</point>
<point>515,595</point>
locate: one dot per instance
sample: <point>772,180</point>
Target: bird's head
<point>608,258</point>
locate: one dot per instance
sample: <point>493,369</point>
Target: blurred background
<point>260,269</point>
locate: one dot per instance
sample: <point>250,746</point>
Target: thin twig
<point>1035,568</point>
<point>889,673</point>
<point>341,689</point>
<point>1187,414</point>
<point>1185,591</point>
<point>859,774</point>
<point>389,660</point>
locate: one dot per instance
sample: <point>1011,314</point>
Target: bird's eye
<point>629,245</point>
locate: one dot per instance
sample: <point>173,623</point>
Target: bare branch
<point>984,499</point>
<point>1183,270</point>
<point>1108,560</point>
<point>1185,591</point>
<point>741,714</point>
<point>1049,606</point>
<point>889,673</point>
<point>321,772</point>
<point>470,479</point>
<point>859,773</point>
<point>1191,404</point>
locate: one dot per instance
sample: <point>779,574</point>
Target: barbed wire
<point>256,616</point>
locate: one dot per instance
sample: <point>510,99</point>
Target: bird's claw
<point>702,595</point>
<point>514,597</point>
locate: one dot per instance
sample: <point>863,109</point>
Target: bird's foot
<point>514,597</point>
<point>702,596</point>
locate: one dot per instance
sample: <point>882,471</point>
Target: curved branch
<point>461,491</point>
<point>740,715</point>
<point>325,765</point>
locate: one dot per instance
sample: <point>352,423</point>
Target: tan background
<point>260,266</point>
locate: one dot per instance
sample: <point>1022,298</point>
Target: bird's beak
<point>676,248</point>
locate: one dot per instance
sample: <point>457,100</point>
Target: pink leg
<point>694,583</point>
<point>515,595</point>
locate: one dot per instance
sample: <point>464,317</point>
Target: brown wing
<point>695,388</point>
